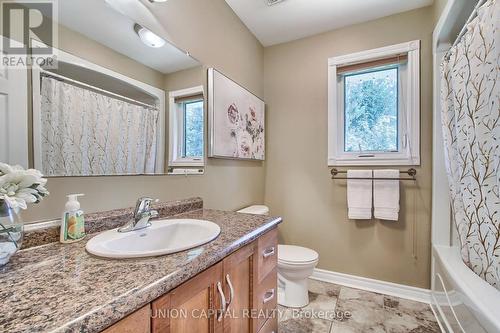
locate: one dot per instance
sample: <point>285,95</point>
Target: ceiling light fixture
<point>148,37</point>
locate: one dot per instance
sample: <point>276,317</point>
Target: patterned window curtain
<point>471,128</point>
<point>86,133</point>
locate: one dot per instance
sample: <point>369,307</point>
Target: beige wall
<point>438,8</point>
<point>214,35</point>
<point>184,79</point>
<point>298,184</point>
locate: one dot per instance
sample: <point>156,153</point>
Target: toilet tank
<point>255,209</point>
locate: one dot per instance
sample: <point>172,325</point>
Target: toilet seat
<point>256,210</point>
<point>296,255</point>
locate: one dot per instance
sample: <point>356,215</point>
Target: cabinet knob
<point>270,251</point>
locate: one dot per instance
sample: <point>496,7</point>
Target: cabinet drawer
<point>266,298</point>
<point>267,254</point>
<point>137,322</point>
<point>271,326</point>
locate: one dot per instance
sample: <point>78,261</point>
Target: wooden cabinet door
<point>192,307</point>
<point>137,322</point>
<point>239,272</point>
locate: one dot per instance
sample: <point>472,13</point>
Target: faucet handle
<point>143,204</point>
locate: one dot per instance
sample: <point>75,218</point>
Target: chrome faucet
<point>142,215</point>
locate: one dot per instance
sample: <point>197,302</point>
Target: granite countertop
<point>61,288</point>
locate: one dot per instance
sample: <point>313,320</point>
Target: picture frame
<point>236,120</point>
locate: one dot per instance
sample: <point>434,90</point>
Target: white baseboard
<point>383,287</point>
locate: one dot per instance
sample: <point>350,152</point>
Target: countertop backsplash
<point>101,221</point>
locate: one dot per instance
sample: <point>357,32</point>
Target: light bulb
<point>148,37</point>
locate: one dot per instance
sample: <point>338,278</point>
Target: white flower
<point>4,169</point>
<point>19,187</point>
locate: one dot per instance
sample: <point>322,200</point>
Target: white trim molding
<point>409,154</point>
<point>176,132</point>
<point>13,111</point>
<point>383,287</point>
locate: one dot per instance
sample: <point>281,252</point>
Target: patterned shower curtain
<point>471,127</point>
<point>84,132</point>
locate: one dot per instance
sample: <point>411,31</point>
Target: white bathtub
<point>462,301</point>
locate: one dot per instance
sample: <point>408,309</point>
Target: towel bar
<point>411,172</point>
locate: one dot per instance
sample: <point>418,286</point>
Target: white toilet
<point>295,266</point>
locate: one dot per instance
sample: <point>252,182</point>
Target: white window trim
<point>175,158</point>
<point>411,155</point>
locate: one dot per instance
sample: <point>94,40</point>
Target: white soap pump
<point>72,222</point>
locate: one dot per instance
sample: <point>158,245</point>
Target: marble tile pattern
<point>338,309</point>
<point>97,222</point>
<point>61,288</point>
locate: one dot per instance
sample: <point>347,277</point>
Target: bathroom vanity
<point>226,285</point>
<point>238,294</point>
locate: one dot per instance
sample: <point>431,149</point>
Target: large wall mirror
<point>107,106</point>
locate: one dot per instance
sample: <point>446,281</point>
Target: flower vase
<point>11,232</point>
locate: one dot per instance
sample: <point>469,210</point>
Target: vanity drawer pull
<point>268,296</point>
<point>269,252</point>
<point>222,301</point>
<point>231,291</point>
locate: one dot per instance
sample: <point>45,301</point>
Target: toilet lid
<point>296,254</point>
<point>255,209</point>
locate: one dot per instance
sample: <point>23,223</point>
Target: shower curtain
<point>470,95</point>
<point>86,133</point>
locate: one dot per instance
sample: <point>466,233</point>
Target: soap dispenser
<point>72,223</point>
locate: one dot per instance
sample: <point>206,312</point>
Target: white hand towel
<point>386,195</point>
<point>359,194</point>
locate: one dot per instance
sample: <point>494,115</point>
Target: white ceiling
<point>97,20</point>
<point>294,19</point>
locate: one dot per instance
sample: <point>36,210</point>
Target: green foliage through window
<point>371,110</point>
<point>193,129</point>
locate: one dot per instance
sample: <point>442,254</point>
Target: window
<point>192,146</point>
<point>187,123</point>
<point>371,110</point>
<point>374,107</point>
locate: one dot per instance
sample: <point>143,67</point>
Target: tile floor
<point>338,309</point>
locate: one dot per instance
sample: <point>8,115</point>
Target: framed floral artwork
<point>236,120</point>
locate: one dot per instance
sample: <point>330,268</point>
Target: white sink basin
<point>163,237</point>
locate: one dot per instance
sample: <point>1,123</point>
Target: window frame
<point>409,151</point>
<point>176,129</point>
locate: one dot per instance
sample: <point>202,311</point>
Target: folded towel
<point>359,194</point>
<point>386,195</point>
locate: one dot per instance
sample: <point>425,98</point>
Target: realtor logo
<point>22,22</point>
